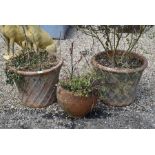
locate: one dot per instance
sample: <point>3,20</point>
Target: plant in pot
<point>33,69</point>
<point>118,66</point>
<point>77,93</point>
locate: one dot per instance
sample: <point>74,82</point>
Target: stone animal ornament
<point>12,34</point>
<point>39,39</point>
<point>31,36</point>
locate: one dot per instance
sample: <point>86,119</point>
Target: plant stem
<point>72,59</point>
<point>135,42</point>
<point>26,44</point>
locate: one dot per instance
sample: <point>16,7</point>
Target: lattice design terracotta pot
<point>118,85</point>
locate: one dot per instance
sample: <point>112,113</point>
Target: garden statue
<point>28,36</point>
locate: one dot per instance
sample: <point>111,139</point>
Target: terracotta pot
<point>75,106</point>
<point>38,88</point>
<point>118,85</point>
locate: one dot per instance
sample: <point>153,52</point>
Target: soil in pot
<point>119,82</point>
<point>74,105</point>
<point>126,61</point>
<point>36,80</point>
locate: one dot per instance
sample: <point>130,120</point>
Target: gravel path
<point>141,114</point>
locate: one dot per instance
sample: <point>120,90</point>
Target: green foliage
<point>32,60</point>
<point>73,81</point>
<point>11,77</point>
<point>83,85</point>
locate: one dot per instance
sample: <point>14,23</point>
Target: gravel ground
<point>140,114</point>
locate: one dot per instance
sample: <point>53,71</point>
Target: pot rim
<point>35,73</point>
<point>117,69</point>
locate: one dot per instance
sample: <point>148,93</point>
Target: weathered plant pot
<point>38,88</point>
<point>75,106</point>
<point>118,85</point>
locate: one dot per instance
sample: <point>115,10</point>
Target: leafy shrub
<point>83,85</point>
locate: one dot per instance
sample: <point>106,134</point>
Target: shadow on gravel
<point>24,126</point>
<point>53,115</point>
<point>98,113</point>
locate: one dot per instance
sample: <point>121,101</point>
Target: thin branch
<point>131,41</point>
<point>136,41</point>
<point>108,37</point>
<point>118,39</point>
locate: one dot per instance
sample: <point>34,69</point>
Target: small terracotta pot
<point>38,88</point>
<point>118,85</point>
<point>75,106</point>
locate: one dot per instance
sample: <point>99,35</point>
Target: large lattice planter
<point>118,85</point>
<point>37,89</point>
